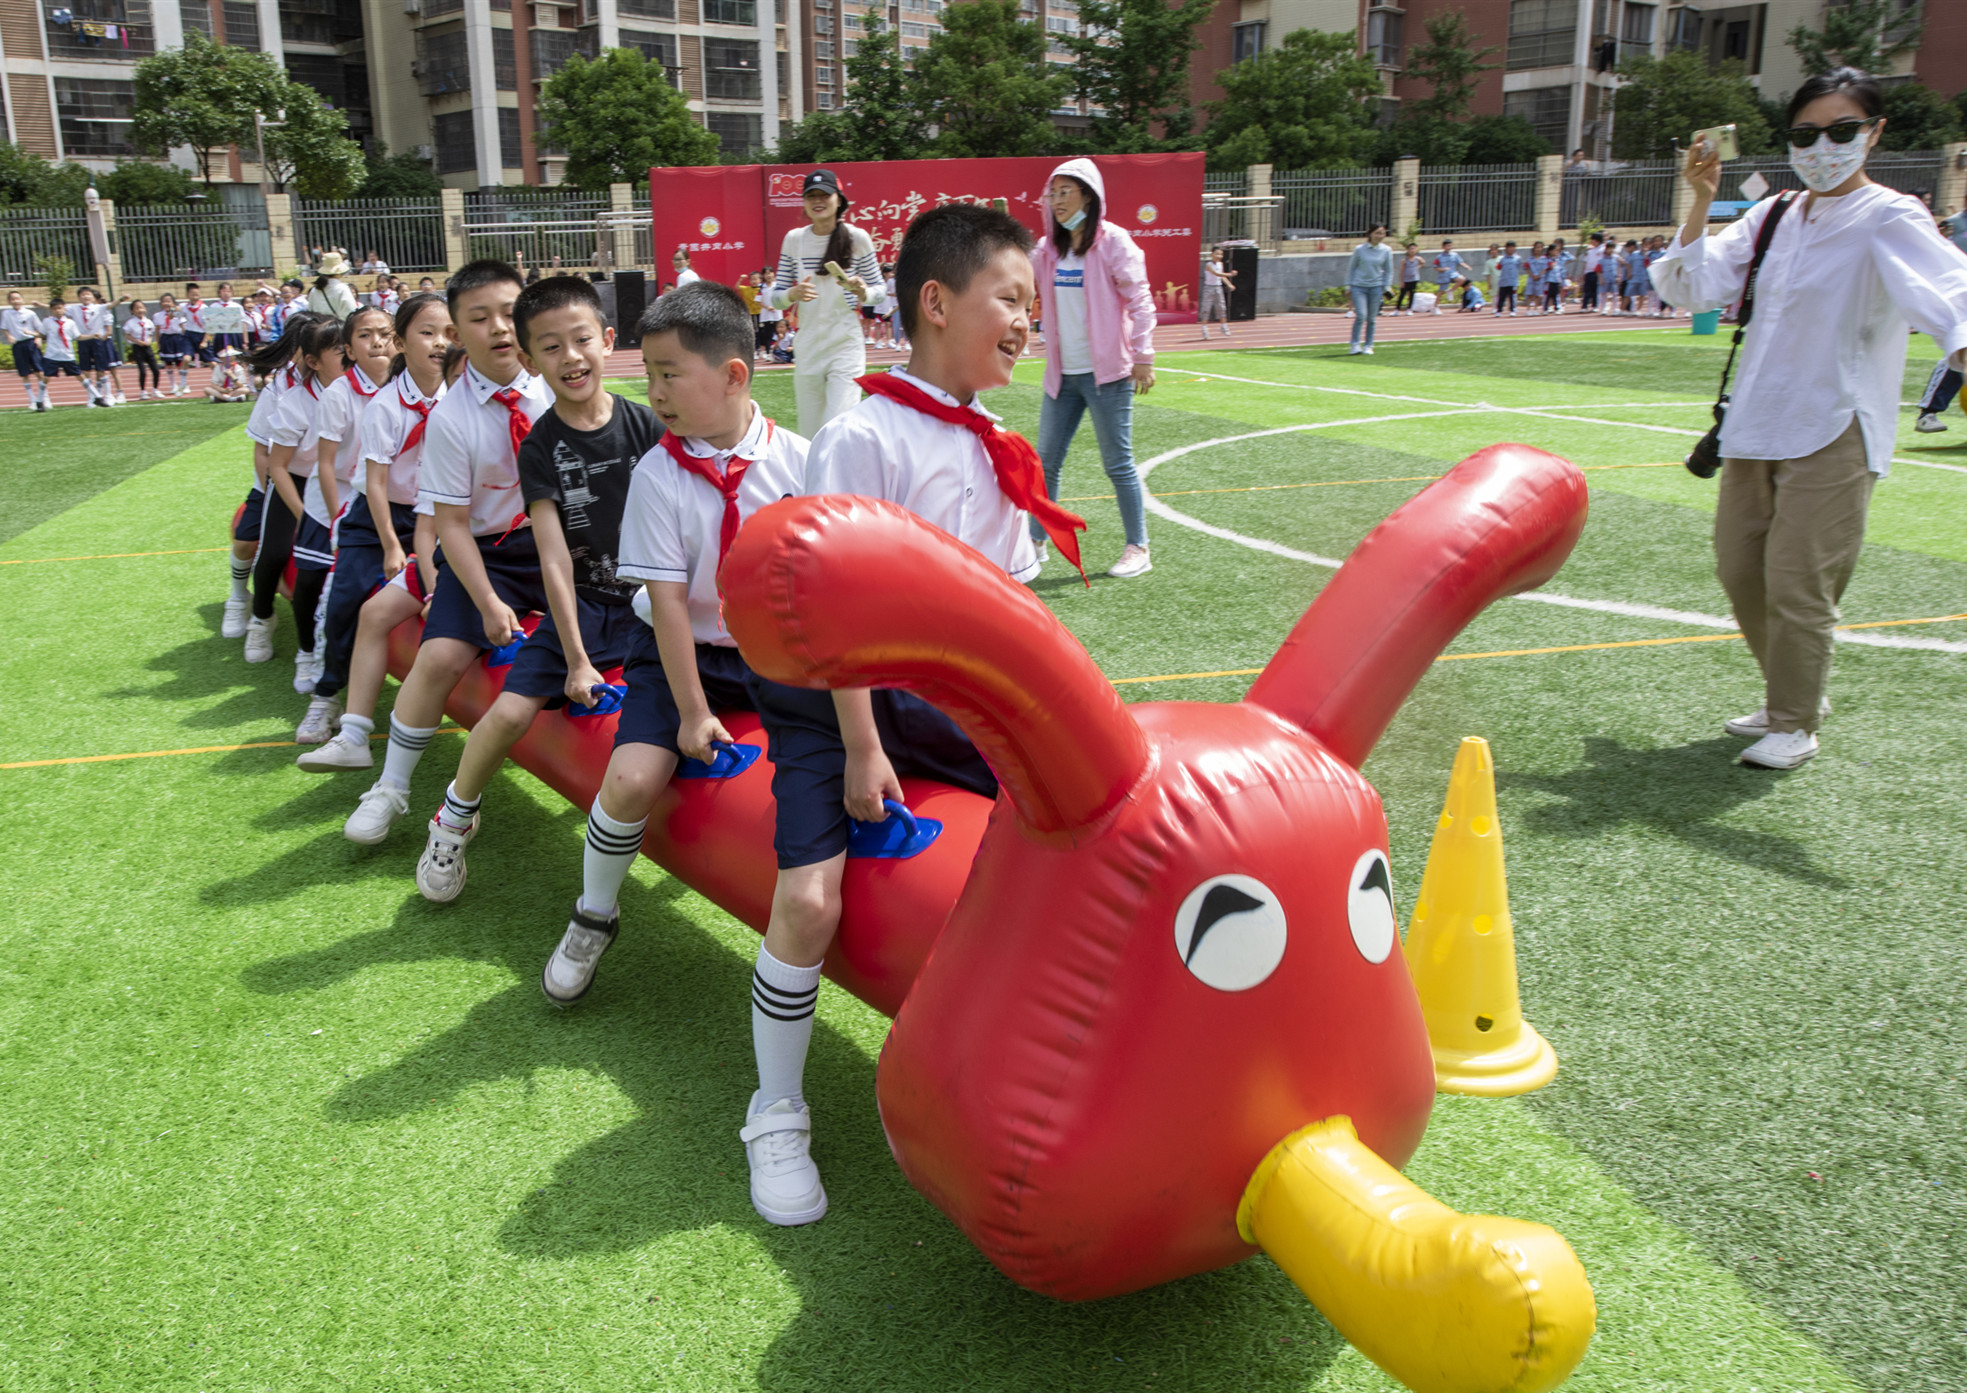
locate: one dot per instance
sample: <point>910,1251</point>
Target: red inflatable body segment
<point>1069,1078</point>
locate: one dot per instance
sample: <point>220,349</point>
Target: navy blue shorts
<point>314,545</point>
<point>96,354</point>
<point>247,529</point>
<point>540,670</point>
<point>59,367</point>
<point>512,566</point>
<point>172,347</point>
<point>809,761</point>
<point>649,715</point>
<point>27,357</point>
<point>358,524</point>
<point>195,343</point>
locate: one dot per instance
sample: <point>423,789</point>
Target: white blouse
<point>1841,285</point>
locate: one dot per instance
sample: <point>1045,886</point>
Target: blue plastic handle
<point>607,700</point>
<point>502,657</point>
<point>896,837</point>
<point>901,811</point>
<point>729,762</point>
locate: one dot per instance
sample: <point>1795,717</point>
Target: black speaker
<point>1242,295</point>
<point>631,298</point>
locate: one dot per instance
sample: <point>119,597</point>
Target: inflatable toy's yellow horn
<point>1444,1302</point>
<point>1461,947</point>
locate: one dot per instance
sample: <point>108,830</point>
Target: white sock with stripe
<point>611,848</point>
<point>782,1001</point>
<point>406,747</point>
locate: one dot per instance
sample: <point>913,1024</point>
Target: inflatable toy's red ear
<point>839,591</point>
<point>1500,522</point>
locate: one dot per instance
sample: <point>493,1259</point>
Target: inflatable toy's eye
<point>1369,907</point>
<point>1230,932</point>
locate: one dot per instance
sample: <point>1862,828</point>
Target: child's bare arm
<point>378,490</point>
<point>278,459</point>
<point>669,613</point>
<point>870,776</point>
<point>557,573</point>
<point>324,470</point>
<point>425,541</point>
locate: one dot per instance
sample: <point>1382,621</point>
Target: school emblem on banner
<point>1147,213</point>
<point>710,227</point>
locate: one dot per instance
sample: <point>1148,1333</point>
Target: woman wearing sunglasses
<point>1814,411</point>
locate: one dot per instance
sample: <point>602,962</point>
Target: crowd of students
<point>462,460</point>
<point>1601,277</point>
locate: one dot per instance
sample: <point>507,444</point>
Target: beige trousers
<point>1786,538</point>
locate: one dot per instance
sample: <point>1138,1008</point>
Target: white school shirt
<point>336,419</point>
<point>173,321</point>
<point>673,519</point>
<point>385,426</point>
<point>194,316</point>
<point>59,331</point>
<point>938,471</point>
<point>468,459</point>
<point>1837,292</point>
<point>20,326</point>
<point>293,424</point>
<point>140,329</point>
<point>259,423</point>
<point>98,320</point>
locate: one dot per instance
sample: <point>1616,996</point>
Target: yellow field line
<point>1339,483</point>
<point>113,556</point>
<point>195,750</point>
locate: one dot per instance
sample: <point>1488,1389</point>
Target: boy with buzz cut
<point>722,460</point>
<point>923,440</point>
<point>573,474</point>
<point>489,572</point>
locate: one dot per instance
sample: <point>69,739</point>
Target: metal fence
<point>205,244</point>
<point>1475,198</point>
<point>1636,195</point>
<point>1234,182</point>
<point>537,225</point>
<point>407,232</point>
<point>29,234</point>
<point>1333,202</point>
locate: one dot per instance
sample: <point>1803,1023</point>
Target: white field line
<point>1628,610</point>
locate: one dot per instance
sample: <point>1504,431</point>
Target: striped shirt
<point>811,261</point>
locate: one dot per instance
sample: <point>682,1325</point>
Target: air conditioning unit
<point>425,152</point>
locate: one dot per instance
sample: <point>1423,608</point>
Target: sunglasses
<point>1842,133</point>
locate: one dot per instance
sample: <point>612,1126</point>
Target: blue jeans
<point>1112,405</point>
<point>1365,311</point>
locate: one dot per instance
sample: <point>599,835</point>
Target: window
<point>849,47</point>
<point>1061,24</point>
<point>1383,37</point>
<point>1246,41</point>
<point>822,50</point>
<point>740,132</point>
<point>662,49</point>
<point>646,9</point>
<point>1546,108</point>
<point>457,147</point>
<point>198,18</point>
<point>822,24</point>
<point>1686,29</point>
<point>850,21</point>
<point>509,157</point>
<point>731,71</point>
<point>321,73</point>
<point>1542,33</point>
<point>114,31</point>
<point>306,29</point>
<point>744,12</point>
<point>823,76</point>
<point>445,64</point>
<point>95,115</point>
<point>553,47</point>
<point>915,31</point>
<point>1637,30</point>
<point>826,101</point>
<point>505,66</point>
<point>242,25</point>
<point>785,72</point>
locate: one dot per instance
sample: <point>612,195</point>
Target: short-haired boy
<point>722,460</point>
<point>58,333</point>
<point>21,328</point>
<point>1509,271</point>
<point>920,439</point>
<point>95,345</point>
<point>489,574</point>
<point>1448,265</point>
<point>573,474</point>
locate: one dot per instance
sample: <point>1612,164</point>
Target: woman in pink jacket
<point>1099,343</point>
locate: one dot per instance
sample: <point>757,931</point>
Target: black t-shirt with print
<point>585,474</point>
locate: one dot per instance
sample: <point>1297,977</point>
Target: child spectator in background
<point>21,328</point>
<point>1470,295</point>
<point>173,349</point>
<point>1448,264</point>
<point>1410,279</point>
<point>58,345</point>
<point>140,332</point>
<point>95,347</point>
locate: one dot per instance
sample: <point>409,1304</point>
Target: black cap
<point>820,179</point>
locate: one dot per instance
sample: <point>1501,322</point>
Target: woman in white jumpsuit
<point>830,351</point>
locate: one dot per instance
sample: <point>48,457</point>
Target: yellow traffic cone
<point>1461,948</point>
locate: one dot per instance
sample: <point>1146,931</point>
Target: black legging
<point>1406,296</point>
<point>146,361</point>
<point>276,550</point>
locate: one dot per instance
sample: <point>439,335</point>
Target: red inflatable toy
<point>1123,993</point>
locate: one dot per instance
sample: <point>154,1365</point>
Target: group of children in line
<point>517,482</point>
<point>1606,278</point>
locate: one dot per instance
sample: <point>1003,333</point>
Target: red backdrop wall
<point>733,217</point>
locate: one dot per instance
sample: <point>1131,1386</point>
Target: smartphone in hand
<point>1721,141</point>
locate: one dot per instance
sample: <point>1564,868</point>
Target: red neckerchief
<point>726,483</point>
<point>356,377</point>
<point>422,408</point>
<point>518,425</point>
<point>1012,459</point>
<point>61,327</point>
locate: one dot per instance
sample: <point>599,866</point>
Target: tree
<point>617,117</point>
<point>135,183</point>
<point>308,146</point>
<point>1301,105</point>
<point>985,81</point>
<point>1503,140</point>
<point>1450,62</point>
<point>1864,34</point>
<point>29,179</point>
<point>1132,61</point>
<point>1665,100</point>
<point>880,119</point>
<point>399,176</point>
<point>1918,118</point>
<point>203,95</point>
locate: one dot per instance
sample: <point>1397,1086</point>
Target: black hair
<point>269,358</point>
<point>1376,227</point>
<point>453,356</point>
<point>1861,87</point>
<point>321,334</point>
<point>348,326</point>
<point>553,293</point>
<point>1061,239</point>
<point>476,275</point>
<point>406,315</point>
<point>708,319</point>
<point>950,245</point>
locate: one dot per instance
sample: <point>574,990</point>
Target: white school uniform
<point>259,423</point>
<point>293,424</point>
<point>335,419</point>
<point>194,316</point>
<point>60,332</point>
<point>140,330</point>
<point>674,520</point>
<point>385,426</point>
<point>20,326</point>
<point>938,471</point>
<point>468,459</point>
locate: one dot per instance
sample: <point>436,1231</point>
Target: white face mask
<point>1071,224</point>
<point>1826,164</point>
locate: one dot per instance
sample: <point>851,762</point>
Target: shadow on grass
<point>228,692</point>
<point>890,1294</point>
<point>1682,791</point>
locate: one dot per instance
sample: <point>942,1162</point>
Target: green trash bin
<point>1708,322</point>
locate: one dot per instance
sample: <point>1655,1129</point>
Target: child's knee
<point>511,715</point>
<point>632,784</point>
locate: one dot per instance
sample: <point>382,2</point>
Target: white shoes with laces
<point>778,1142</point>
<point>237,612</point>
<point>441,868</point>
<point>1133,562</point>
<point>376,813</point>
<point>344,751</point>
<point>1929,423</point>
<point>319,722</point>
<point>259,639</point>
<point>307,671</point>
<point>1781,750</point>
<point>1755,725</point>
<point>570,971</point>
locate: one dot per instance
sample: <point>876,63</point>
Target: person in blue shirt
<point>1509,270</point>
<point>1367,276</point>
<point>1448,264</point>
<point>1470,296</point>
<point>1410,279</point>
<point>1538,267</point>
<point>1554,278</point>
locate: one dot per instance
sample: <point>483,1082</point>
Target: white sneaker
<point>1352,352</point>
<point>570,971</point>
<point>440,870</point>
<point>1133,562</point>
<point>1929,423</point>
<point>259,639</point>
<point>237,612</point>
<point>1756,724</point>
<point>785,1184</point>
<point>122,400</point>
<point>1782,750</point>
<point>345,751</point>
<point>376,813</point>
<point>146,394</point>
<point>307,668</point>
<point>1367,350</point>
<point>319,722</point>
<point>1043,550</point>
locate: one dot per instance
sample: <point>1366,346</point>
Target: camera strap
<point>1746,312</point>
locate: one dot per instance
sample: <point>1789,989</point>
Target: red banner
<point>1157,199</point>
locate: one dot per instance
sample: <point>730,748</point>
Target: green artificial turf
<point>275,1122</point>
